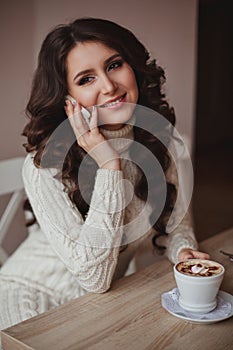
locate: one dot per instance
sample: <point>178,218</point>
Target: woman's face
<point>98,76</point>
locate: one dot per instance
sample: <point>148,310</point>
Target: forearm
<point>89,249</point>
<point>181,237</point>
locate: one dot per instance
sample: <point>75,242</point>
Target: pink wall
<point>166,27</point>
<point>17,40</point>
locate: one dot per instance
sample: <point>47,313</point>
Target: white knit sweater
<point>65,256</point>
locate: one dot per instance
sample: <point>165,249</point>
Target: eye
<point>115,64</point>
<point>85,80</point>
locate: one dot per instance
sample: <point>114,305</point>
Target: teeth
<point>113,103</point>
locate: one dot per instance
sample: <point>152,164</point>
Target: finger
<point>200,255</point>
<point>79,120</point>
<point>70,111</point>
<point>69,108</point>
<point>185,256</point>
<point>73,112</point>
<point>94,121</point>
<point>188,256</point>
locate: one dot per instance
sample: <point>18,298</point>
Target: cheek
<point>132,84</point>
<point>85,97</point>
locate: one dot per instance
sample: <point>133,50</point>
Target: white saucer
<point>224,295</point>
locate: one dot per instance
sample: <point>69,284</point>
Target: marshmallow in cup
<point>198,282</point>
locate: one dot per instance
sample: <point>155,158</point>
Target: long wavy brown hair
<point>45,108</point>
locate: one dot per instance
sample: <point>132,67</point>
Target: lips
<point>113,101</point>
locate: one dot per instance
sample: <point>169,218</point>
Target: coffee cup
<point>198,282</point>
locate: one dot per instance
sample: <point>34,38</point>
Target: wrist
<point>113,164</point>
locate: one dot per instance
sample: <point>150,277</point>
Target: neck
<point>112,127</point>
<point>122,137</point>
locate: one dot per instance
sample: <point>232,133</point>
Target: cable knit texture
<point>64,256</point>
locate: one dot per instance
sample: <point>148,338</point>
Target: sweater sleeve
<point>89,249</point>
<point>182,236</point>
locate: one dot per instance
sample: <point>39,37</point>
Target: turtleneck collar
<point>122,138</point>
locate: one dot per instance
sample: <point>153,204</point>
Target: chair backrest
<point>10,183</point>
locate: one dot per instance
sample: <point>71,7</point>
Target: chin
<point>114,117</point>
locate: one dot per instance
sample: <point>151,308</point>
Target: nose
<point>108,85</point>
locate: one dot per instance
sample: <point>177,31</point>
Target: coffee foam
<point>199,268</point>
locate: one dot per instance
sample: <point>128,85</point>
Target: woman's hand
<point>187,253</point>
<point>90,138</point>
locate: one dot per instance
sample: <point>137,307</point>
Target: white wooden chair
<point>10,183</point>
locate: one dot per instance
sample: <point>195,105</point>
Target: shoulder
<point>29,161</point>
<point>31,173</point>
<point>28,167</point>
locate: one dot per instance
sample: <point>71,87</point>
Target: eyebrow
<point>87,71</point>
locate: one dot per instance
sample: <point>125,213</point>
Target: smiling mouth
<point>113,103</point>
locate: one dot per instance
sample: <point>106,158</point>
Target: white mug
<point>198,293</point>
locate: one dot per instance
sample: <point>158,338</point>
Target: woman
<point>82,236</point>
